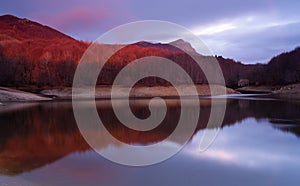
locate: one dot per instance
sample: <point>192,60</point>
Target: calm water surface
<point>258,144</point>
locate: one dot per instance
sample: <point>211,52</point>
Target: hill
<point>284,69</point>
<point>34,54</point>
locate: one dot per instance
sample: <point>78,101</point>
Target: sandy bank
<point>137,92</point>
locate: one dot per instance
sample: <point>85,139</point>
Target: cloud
<point>213,29</point>
<point>250,38</point>
<point>76,20</point>
<point>242,25</point>
<point>81,19</point>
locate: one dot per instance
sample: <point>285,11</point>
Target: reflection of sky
<point>251,144</point>
<point>251,152</point>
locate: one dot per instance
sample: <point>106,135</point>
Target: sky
<point>247,31</point>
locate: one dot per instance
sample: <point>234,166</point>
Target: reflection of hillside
<point>291,125</point>
<point>32,137</point>
<point>240,109</point>
<point>35,136</point>
<point>286,112</point>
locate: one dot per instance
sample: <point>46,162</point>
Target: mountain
<point>21,29</point>
<point>187,47</point>
<point>35,54</point>
<point>32,54</point>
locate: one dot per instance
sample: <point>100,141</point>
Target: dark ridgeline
<point>33,54</point>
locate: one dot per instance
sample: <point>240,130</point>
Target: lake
<point>258,144</point>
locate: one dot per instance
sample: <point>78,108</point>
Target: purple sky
<point>248,31</point>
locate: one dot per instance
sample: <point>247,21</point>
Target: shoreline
<point>291,91</point>
<point>8,95</point>
<point>104,92</point>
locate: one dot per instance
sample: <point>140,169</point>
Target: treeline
<point>281,70</point>
<point>55,65</point>
<point>39,62</point>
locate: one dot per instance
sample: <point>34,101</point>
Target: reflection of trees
<point>43,133</point>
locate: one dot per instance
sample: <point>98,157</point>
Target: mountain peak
<point>184,45</point>
<point>179,41</point>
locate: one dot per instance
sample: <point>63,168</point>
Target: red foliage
<point>34,54</point>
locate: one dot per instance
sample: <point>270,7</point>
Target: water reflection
<point>246,147</point>
<point>258,139</point>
